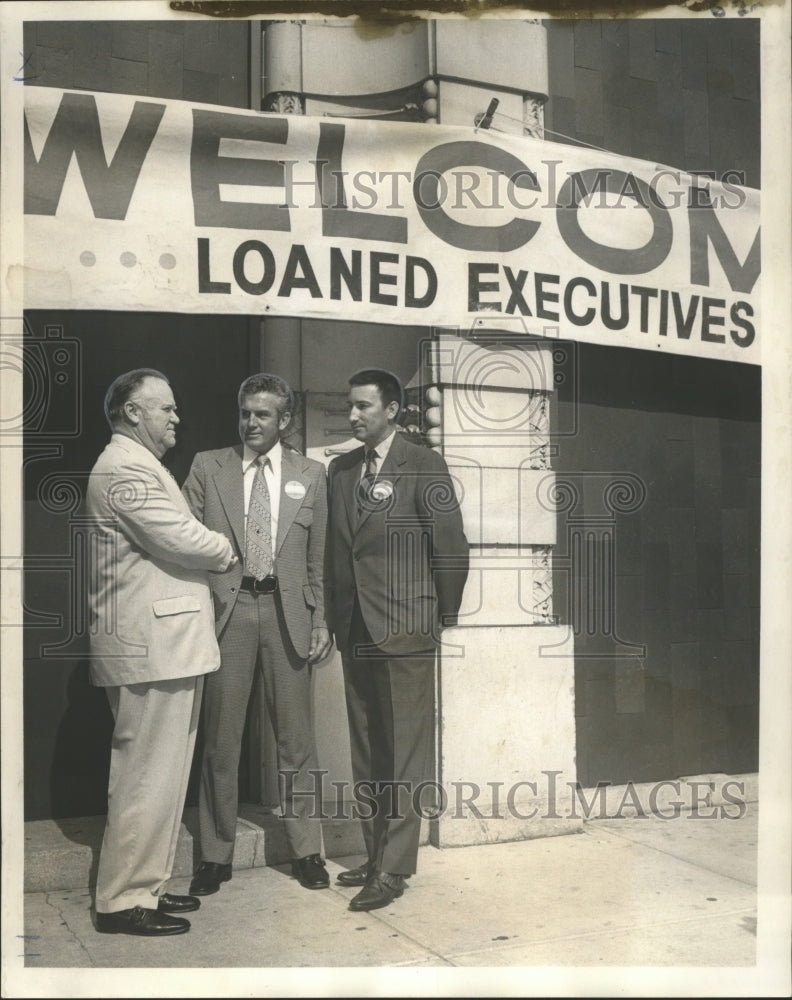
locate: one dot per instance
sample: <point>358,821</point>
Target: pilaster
<point>506,710</point>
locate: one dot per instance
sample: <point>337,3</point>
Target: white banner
<point>139,204</point>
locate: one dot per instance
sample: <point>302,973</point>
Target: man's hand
<point>233,561</point>
<point>320,645</point>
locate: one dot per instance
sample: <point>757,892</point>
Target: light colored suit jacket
<point>151,608</point>
<point>406,559</point>
<point>215,492</point>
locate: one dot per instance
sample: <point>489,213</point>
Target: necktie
<point>258,545</point>
<point>364,501</point>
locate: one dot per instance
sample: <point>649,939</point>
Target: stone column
<point>283,68</point>
<point>533,104</point>
<point>279,348</point>
<point>476,61</point>
<point>506,714</point>
<point>506,695</point>
<point>278,353</point>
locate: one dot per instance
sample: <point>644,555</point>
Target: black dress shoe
<point>170,903</point>
<point>144,922</point>
<point>208,877</point>
<point>311,872</point>
<point>379,891</point>
<point>357,876</point>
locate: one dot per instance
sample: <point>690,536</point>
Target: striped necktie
<point>365,484</point>
<point>258,544</point>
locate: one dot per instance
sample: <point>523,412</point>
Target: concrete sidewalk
<point>623,892</point>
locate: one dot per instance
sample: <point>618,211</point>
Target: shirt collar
<point>384,447</point>
<point>125,439</point>
<point>274,455</point>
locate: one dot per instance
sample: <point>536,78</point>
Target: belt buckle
<point>266,586</point>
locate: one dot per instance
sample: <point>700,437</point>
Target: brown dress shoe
<point>141,921</point>
<point>207,878</point>
<point>379,891</point>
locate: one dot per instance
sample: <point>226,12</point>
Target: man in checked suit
<point>271,503</point>
<point>152,643</point>
<point>397,562</point>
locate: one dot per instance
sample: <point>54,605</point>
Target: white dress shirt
<point>381,453</point>
<point>272,475</point>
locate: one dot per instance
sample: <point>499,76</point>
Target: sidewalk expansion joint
<point>382,918</point>
<point>629,928</point>
<point>751,884</point>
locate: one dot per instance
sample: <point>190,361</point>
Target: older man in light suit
<point>271,503</point>
<point>152,641</point>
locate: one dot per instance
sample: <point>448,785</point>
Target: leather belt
<point>268,585</point>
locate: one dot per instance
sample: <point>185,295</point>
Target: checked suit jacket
<point>405,557</point>
<point>214,491</point>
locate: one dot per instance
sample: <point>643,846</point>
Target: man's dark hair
<point>122,388</point>
<point>264,382</point>
<point>390,388</point>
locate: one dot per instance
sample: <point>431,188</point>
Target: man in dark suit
<point>397,562</point>
<point>271,503</point>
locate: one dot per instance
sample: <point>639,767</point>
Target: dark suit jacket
<point>406,559</point>
<point>214,491</point>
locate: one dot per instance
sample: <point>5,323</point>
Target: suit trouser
<point>390,705</point>
<point>150,760</point>
<point>256,633</point>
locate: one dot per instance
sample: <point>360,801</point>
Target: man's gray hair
<point>274,384</point>
<point>121,391</point>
